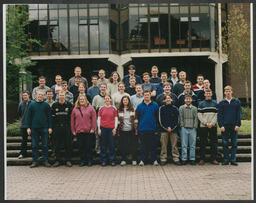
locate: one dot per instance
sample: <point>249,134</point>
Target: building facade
<point>112,36</point>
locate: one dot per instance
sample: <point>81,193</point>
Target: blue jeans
<point>148,143</point>
<point>229,133</point>
<point>35,133</point>
<point>107,142</point>
<point>188,137</point>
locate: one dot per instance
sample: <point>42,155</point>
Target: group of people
<point>129,114</point>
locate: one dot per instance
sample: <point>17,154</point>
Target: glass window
<point>62,6</point>
<point>74,44</point>
<point>33,6</point>
<point>184,9</point>
<point>63,26</point>
<point>73,5</point>
<point>154,26</point>
<point>134,36</point>
<point>33,15</point>
<point>83,33</point>
<point>104,30</point>
<point>93,5</point>
<point>42,14</point>
<point>53,6</point>
<point>163,41</point>
<point>53,14</point>
<point>143,28</point>
<point>42,6</point>
<point>94,28</point>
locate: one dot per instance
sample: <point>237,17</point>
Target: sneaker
<point>103,164</point>
<point>20,156</point>
<point>224,163</point>
<point>201,162</point>
<point>33,165</point>
<point>123,163</point>
<point>141,163</point>
<point>215,162</point>
<point>56,164</point>
<point>69,164</point>
<point>134,163</point>
<point>193,162</point>
<point>82,164</point>
<point>234,163</point>
<point>113,164</point>
<point>155,163</point>
<point>46,164</point>
<point>162,163</point>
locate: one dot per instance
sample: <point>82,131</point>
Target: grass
<point>244,128</point>
<point>13,129</point>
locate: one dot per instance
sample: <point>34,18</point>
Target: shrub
<point>13,129</point>
<point>245,115</point>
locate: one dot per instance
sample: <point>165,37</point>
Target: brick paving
<point>169,182</point>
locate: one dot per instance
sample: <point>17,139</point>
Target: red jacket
<point>83,120</point>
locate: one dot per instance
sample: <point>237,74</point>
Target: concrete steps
<point>14,145</point>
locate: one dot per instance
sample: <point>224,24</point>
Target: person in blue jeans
<point>39,123</point>
<point>147,112</point>
<point>107,125</point>
<point>229,120</point>
<point>188,124</point>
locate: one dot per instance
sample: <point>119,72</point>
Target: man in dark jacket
<point>131,71</point>
<point>22,112</point>
<point>168,119</point>
<point>39,123</point>
<point>61,112</point>
<point>167,90</point>
<point>187,90</point>
<point>229,120</point>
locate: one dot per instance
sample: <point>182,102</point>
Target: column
<point>218,81</point>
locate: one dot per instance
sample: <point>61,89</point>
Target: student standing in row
<point>229,120</point>
<point>168,119</point>
<point>61,112</point>
<point>127,130</point>
<point>22,113</point>
<point>83,125</point>
<point>147,113</point>
<point>107,125</point>
<point>188,124</point>
<point>39,123</point>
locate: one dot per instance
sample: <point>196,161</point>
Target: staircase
<point>14,145</point>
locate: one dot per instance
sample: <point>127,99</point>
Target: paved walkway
<point>130,183</point>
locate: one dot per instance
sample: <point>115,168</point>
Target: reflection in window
<point>63,26</point>
<point>104,30</point>
<point>74,45</point>
<point>163,40</point>
<point>83,31</point>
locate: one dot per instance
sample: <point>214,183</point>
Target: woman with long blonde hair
<point>83,125</point>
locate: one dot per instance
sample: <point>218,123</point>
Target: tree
<point>236,43</point>
<point>17,47</point>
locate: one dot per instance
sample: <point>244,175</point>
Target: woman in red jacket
<point>107,124</point>
<point>83,125</point>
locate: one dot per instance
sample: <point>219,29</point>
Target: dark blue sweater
<point>22,112</point>
<point>39,115</point>
<point>168,116</point>
<point>127,78</point>
<point>147,115</point>
<point>229,113</point>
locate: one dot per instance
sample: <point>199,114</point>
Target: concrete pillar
<point>212,26</point>
<point>219,81</point>
<point>120,70</point>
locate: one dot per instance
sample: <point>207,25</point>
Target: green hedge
<point>245,114</point>
<point>13,129</point>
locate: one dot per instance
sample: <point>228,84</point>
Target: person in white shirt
<point>118,95</point>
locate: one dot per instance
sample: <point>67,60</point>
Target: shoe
<point>234,163</point>
<point>183,162</point>
<point>141,163</point>
<point>214,162</point>
<point>155,163</point>
<point>123,163</point>
<point>162,163</point>
<point>113,164</point>
<point>56,164</point>
<point>177,163</point>
<point>46,164</point>
<point>225,163</point>
<point>33,165</point>
<point>193,162</point>
<point>89,163</point>
<point>201,162</point>
<point>20,156</point>
<point>82,164</point>
<point>103,164</point>
<point>134,163</point>
<point>69,164</point>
